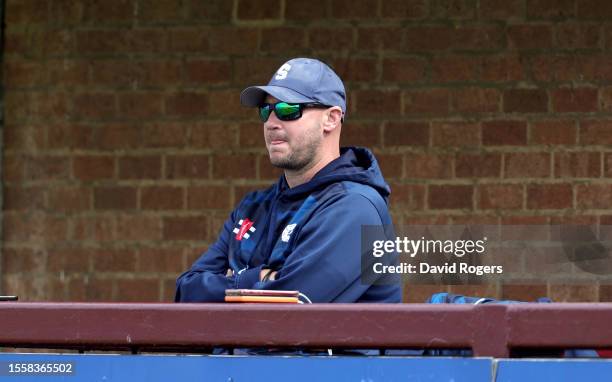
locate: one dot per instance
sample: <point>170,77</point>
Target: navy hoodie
<point>309,234</point>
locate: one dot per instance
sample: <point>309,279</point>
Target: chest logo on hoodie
<point>244,227</point>
<point>286,235</point>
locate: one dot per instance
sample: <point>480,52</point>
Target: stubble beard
<point>301,158</point>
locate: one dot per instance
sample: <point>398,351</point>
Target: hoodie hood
<point>355,164</point>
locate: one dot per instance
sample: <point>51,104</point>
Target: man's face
<point>293,145</point>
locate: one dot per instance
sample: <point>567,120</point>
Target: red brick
<point>234,166</point>
<point>156,73</point>
<point>455,134</point>
<point>498,133</point>
<point>525,101</point>
<point>98,41</point>
<point>479,38</point>
<point>574,293</point>
<point>501,9</point>
<point>407,197</point>
<point>189,39</point>
<point>68,260</point>
<point>251,135</point>
<point>594,67</point>
<point>455,68</point>
<point>47,168</point>
<point>501,196</point>
<point>574,100</point>
<point>25,12</point>
<point>160,11</point>
<point>161,198</point>
<point>187,166</point>
<point>356,134</point>
<point>481,290</point>
<point>329,39</point>
<point>527,165</point>
<point>453,9</point>
<point>607,165</point>
<point>208,197</point>
<point>525,221</point>
<point>23,74</point>
<point>116,11</point>
<point>114,198</point>
<point>377,102</point>
<point>481,165</point>
<point>529,37</point>
<point>404,9</point>
<point>476,100</point>
<point>117,137</point>
<point>13,168</point>
<point>272,42</point>
<point>266,170</point>
<point>138,290</point>
<point>205,71</point>
<point>359,9</point>
<point>502,68</point>
<point>217,11</point>
<point>605,101</point>
<point>140,167</point>
<point>301,11</point>
<point>428,166</point>
<point>149,40</point>
<point>596,132</point>
<point>34,228</point>
<point>138,228</point>
<point>553,132</point>
<point>390,164</point>
<point>254,70</point>
<point>427,39</point>
<point>20,197</point>
<point>185,228</point>
<point>577,165</point>
<point>99,289</point>
<point>551,9</point>
<point>594,196</point>
<point>523,292</point>
<point>65,73</point>
<point>22,260</point>
<point>70,199</point>
<point>114,260</point>
<point>187,104</point>
<point>549,196</point>
<point>258,10</point>
<point>594,9</point>
<point>140,106</point>
<point>96,228</point>
<point>431,101</point>
<point>25,138</point>
<point>95,106</point>
<point>420,293</point>
<point>406,134</point>
<point>156,260</point>
<point>222,103</point>
<point>578,36</point>
<point>554,68</point>
<point>111,73</point>
<point>355,69</point>
<point>234,40</point>
<point>379,38</point>
<point>450,197</point>
<point>165,135</point>
<point>403,69</point>
<point>605,293</point>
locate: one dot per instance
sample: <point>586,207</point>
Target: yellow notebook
<point>291,300</point>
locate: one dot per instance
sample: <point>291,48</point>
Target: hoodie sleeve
<point>325,264</point>
<point>206,281</point>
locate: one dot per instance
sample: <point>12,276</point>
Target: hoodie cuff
<point>248,278</point>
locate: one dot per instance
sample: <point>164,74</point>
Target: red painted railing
<point>489,330</point>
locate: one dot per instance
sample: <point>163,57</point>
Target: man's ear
<point>332,119</point>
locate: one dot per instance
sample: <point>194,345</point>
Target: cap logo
<point>282,72</point>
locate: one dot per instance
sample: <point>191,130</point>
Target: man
<point>304,232</point>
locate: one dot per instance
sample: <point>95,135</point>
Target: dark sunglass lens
<point>264,112</point>
<point>287,112</point>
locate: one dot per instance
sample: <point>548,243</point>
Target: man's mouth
<point>277,142</point>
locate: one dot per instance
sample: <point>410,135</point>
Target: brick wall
<point>126,146</point>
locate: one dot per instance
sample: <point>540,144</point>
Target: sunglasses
<point>286,111</point>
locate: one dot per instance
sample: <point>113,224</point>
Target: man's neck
<point>297,177</point>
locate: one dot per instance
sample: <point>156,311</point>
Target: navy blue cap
<point>300,80</point>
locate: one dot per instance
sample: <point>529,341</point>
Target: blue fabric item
<point>300,80</point>
<point>310,234</point>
